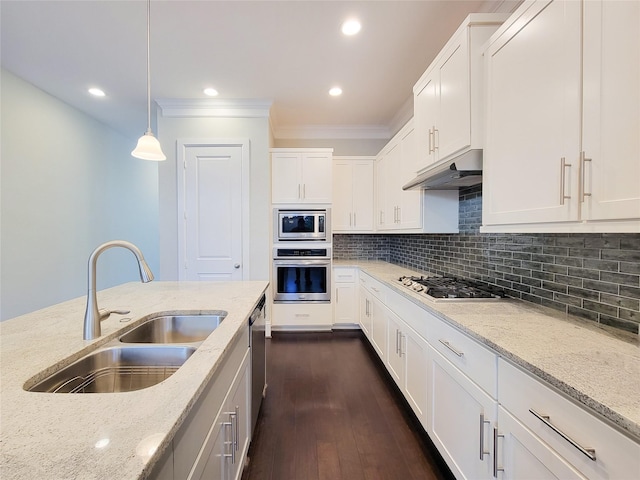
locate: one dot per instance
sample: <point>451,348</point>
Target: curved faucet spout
<point>92,316</point>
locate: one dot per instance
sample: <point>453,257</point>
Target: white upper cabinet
<point>352,194</point>
<point>301,176</point>
<point>409,210</point>
<point>562,150</point>
<point>448,97</point>
<point>611,111</point>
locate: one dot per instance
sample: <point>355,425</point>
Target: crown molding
<point>197,107</point>
<point>315,132</point>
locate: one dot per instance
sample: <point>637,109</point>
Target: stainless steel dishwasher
<point>257,344</point>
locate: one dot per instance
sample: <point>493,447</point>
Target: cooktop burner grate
<point>452,288</point>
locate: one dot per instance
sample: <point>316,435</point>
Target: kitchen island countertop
<point>106,435</point>
<point>596,365</point>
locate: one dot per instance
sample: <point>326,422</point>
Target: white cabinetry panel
<point>562,152</point>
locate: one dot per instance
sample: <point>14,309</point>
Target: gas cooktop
<point>451,288</point>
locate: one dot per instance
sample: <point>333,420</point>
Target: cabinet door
<point>459,421</point>
<point>523,456</point>
<point>285,178</point>
<point>379,328</point>
<point>416,368</point>
<point>453,130</point>
<point>316,178</point>
<point>343,196</point>
<point>533,116</point>
<point>345,303</point>
<point>395,360</point>
<point>384,221</point>
<point>410,204</point>
<point>362,196</point>
<point>611,112</point>
<point>240,409</point>
<point>218,446</point>
<point>365,312</point>
<point>393,178</point>
<point>426,116</point>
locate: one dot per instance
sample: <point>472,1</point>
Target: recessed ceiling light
<point>335,92</point>
<point>212,92</point>
<point>351,26</point>
<point>96,92</point>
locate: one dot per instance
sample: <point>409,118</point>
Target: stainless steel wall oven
<point>301,274</point>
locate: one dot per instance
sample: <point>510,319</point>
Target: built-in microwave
<point>301,224</point>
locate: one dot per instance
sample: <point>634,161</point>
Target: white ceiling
<point>289,52</point>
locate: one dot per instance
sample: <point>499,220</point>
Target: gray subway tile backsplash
<point>594,276</point>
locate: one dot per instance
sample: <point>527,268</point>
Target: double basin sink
<point>144,356</point>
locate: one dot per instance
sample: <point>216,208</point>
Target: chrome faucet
<point>93,316</point>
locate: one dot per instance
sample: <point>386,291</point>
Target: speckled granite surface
<point>64,436</point>
<point>597,366</point>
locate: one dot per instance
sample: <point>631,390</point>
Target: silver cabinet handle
<point>236,265</point>
<point>304,191</point>
<point>430,137</point>
<point>354,219</point>
<point>452,348</point>
<point>483,452</point>
<point>583,185</point>
<point>237,417</point>
<point>299,196</point>
<point>402,352</point>
<point>397,341</point>
<point>588,452</point>
<point>436,141</point>
<point>231,455</point>
<point>399,215</point>
<point>381,217</point>
<point>563,175</point>
<point>496,436</point>
<point>337,295</point>
<point>350,215</point>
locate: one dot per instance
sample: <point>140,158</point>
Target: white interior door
<point>213,213</point>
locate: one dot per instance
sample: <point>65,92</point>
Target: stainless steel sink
<point>175,328</point>
<point>117,369</point>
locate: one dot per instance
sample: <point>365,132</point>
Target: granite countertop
<point>595,365</point>
<point>113,435</point>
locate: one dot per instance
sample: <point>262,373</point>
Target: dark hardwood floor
<point>331,413</point>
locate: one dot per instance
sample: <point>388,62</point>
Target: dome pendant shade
<point>148,148</point>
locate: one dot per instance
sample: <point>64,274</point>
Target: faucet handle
<point>104,314</point>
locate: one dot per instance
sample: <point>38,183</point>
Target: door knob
<point>236,265</point>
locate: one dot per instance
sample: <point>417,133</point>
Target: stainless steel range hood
<point>452,174</point>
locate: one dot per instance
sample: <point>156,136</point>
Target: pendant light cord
<point>148,66</point>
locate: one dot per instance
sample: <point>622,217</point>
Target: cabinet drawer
<point>376,288</point>
<point>302,316</point>
<point>477,362</point>
<point>616,455</point>
<point>344,274</point>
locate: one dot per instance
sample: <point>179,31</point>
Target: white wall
<point>170,129</point>
<point>68,184</point>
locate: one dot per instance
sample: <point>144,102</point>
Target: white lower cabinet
<point>407,362</point>
<point>460,417</point>
<point>214,439</point>
<point>488,418</point>
<point>523,456</point>
<point>574,439</point>
<point>345,297</point>
<point>366,311</point>
<point>222,455</point>
<point>301,316</point>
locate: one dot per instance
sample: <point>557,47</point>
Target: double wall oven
<point>302,256</point>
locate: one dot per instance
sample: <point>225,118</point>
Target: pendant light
<point>148,147</point>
